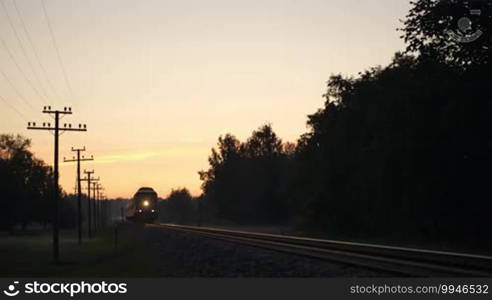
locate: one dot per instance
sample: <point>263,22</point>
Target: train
<point>143,206</point>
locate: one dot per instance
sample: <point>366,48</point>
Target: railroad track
<point>396,260</point>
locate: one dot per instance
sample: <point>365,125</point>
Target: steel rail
<point>395,260</point>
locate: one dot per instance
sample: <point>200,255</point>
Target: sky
<point>158,81</point>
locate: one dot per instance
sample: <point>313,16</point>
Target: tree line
<point>26,185</point>
<point>401,152</point>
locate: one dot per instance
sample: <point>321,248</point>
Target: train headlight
<point>146,203</point>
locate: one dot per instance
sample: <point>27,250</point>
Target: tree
<point>26,184</point>
<point>263,143</point>
<point>177,207</point>
<point>246,181</point>
<point>399,151</point>
<point>430,24</point>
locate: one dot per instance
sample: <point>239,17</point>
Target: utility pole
<point>104,217</point>
<point>56,129</point>
<point>105,210</point>
<point>108,210</point>
<point>89,211</point>
<point>79,188</point>
<point>97,205</point>
<point>100,212</point>
<point>95,193</point>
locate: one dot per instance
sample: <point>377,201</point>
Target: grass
<point>29,254</point>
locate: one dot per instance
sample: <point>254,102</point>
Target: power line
<point>34,49</point>
<point>13,108</point>
<point>55,45</point>
<point>16,90</point>
<point>24,52</point>
<point>29,82</point>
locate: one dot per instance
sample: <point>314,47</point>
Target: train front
<point>145,205</point>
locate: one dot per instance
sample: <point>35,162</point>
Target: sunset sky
<point>158,81</point>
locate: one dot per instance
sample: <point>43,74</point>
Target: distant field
<point>29,254</point>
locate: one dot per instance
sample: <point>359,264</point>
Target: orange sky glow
<point>157,81</point>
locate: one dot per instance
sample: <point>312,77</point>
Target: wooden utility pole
<point>95,193</point>
<point>56,129</point>
<point>78,159</point>
<point>89,180</point>
<point>105,210</point>
<point>100,210</point>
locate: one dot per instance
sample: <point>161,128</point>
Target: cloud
<point>106,159</point>
<point>145,155</point>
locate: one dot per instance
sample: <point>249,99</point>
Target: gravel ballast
<point>183,254</point>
